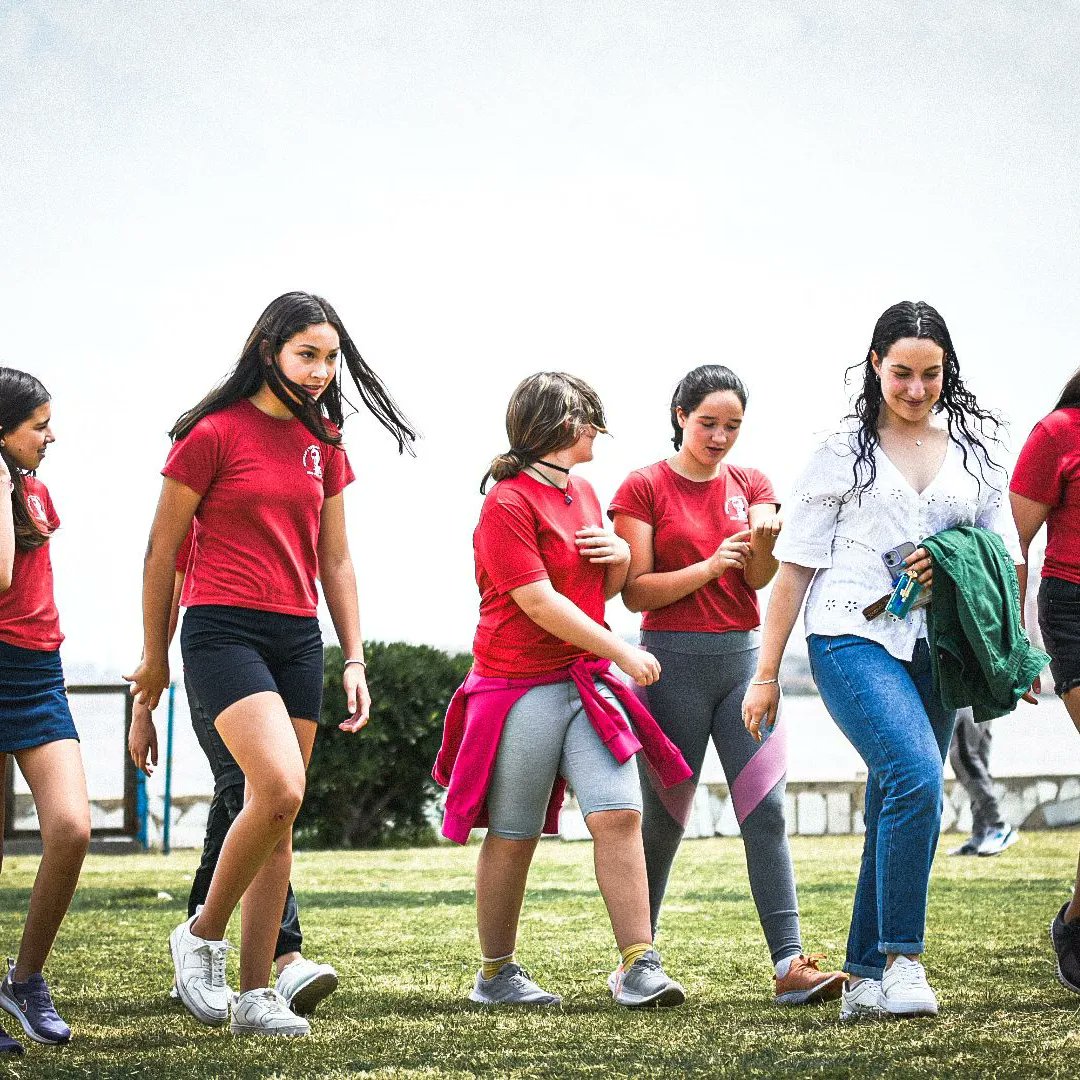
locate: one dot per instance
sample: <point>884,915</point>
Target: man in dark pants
<point>301,982</point>
<point>969,756</point>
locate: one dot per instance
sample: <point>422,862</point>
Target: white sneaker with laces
<point>303,984</point>
<point>997,840</point>
<point>861,1002</point>
<point>905,991</point>
<point>264,1012</point>
<point>199,969</point>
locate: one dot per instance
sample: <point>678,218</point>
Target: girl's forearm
<point>652,591</point>
<point>7,536</point>
<point>785,603</point>
<point>159,576</point>
<point>342,601</point>
<point>563,619</point>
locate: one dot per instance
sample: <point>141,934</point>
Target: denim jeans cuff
<point>902,948</point>
<point>864,971</point>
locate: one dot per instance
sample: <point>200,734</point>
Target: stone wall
<point>835,807</point>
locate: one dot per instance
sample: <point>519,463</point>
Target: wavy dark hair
<point>695,386</point>
<point>285,317</point>
<point>20,396</point>
<point>967,421</point>
<point>547,413</point>
<point>1070,393</point>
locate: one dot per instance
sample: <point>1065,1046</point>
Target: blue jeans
<point>889,712</point>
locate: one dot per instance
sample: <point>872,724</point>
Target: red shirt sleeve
<point>1038,473</point>
<point>635,498</point>
<point>50,510</point>
<point>194,459</point>
<point>507,546</point>
<point>760,489</point>
<point>338,473</point>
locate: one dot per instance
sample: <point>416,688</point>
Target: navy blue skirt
<point>33,702</point>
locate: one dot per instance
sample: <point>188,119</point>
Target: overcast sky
<point>621,190</point>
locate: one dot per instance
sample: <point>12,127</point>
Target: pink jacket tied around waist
<point>473,728</point>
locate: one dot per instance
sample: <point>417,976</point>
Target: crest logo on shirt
<point>313,461</point>
<point>37,508</point>
<point>736,508</point>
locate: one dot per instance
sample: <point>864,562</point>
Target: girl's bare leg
<point>619,858</point>
<point>1072,703</point>
<point>55,775</point>
<point>501,872</point>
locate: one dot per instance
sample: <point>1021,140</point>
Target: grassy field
<point>399,927</point>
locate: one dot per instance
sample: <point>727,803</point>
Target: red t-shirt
<point>526,533</point>
<point>1048,471</point>
<point>256,532</point>
<point>28,616</point>
<point>690,519</point>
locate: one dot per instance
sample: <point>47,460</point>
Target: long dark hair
<point>20,395</point>
<point>1070,393</point>
<point>283,319</point>
<point>547,413</point>
<point>964,415</point>
<point>695,386</point>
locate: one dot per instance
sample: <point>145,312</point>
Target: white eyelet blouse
<point>844,538</point>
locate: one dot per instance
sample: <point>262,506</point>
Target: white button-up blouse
<point>843,538</point>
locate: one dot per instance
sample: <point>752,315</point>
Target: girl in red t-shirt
<point>1045,489</point>
<point>701,535</point>
<point>259,467</point>
<point>541,705</point>
<point>35,722</point>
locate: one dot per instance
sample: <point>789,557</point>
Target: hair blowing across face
<point>966,420</point>
<point>20,396</point>
<point>696,386</point>
<point>285,317</point>
<point>547,412</point>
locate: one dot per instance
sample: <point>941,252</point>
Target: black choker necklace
<point>567,497</point>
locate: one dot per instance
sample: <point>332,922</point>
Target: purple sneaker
<point>8,1045</point>
<point>32,1005</point>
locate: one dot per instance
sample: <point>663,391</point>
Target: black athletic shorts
<point>233,652</point>
<point>1059,621</point>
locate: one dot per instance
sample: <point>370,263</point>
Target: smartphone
<point>894,559</point>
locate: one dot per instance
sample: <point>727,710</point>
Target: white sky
<point>621,190</point>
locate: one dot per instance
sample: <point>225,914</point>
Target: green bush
<point>374,788</point>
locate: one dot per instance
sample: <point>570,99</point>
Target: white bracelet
<point>764,682</point>
<point>362,663</point>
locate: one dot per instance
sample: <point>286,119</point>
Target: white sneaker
<point>303,984</point>
<point>264,1012</point>
<point>861,1002</point>
<point>199,969</point>
<point>905,991</point>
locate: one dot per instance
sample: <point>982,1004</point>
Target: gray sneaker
<point>645,985</point>
<point>511,986</point>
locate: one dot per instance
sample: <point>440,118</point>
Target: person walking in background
<point>890,477</point>
<point>701,535</point>
<point>541,705</point>
<point>301,982</point>
<point>36,727</point>
<point>259,467</point>
<point>969,756</point>
<point>1045,490</point>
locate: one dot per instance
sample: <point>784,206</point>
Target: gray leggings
<point>547,734</point>
<point>698,697</point>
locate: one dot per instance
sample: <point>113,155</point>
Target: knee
<point>69,835</point>
<point>614,824</point>
<point>280,799</point>
<point>768,818</point>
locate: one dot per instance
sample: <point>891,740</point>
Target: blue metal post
<point>166,834</point>
<point>141,808</point>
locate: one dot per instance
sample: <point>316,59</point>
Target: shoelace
<point>215,962</point>
<point>39,996</point>
<point>909,974</point>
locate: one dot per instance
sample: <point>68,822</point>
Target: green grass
<point>398,925</point>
